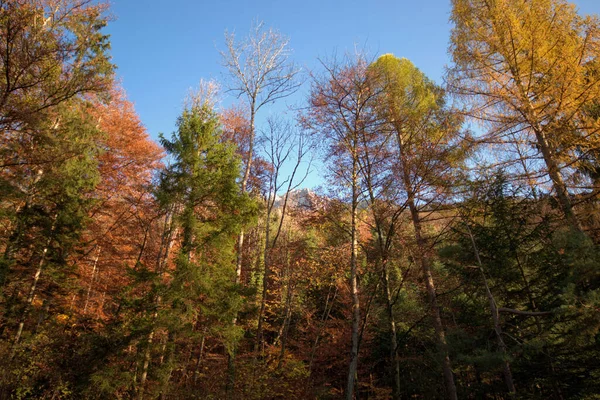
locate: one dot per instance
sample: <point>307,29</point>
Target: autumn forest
<point>451,251</point>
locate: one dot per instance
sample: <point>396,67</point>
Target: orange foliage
<point>119,232</point>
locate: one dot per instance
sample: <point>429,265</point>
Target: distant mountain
<point>300,198</point>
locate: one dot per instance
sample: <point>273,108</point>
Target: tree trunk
<point>170,351</point>
<point>549,157</point>
<point>147,357</point>
<point>557,181</point>
<point>394,360</point>
<point>423,260</point>
<point>33,287</point>
<point>496,318</point>
<point>238,268</point>
<point>244,184</point>
<point>200,356</point>
<point>265,281</point>
<point>163,256</point>
<point>92,277</point>
<point>352,370</point>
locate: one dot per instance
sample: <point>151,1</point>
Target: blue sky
<point>163,48</point>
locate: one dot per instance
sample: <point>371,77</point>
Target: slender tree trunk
<point>33,287</point>
<point>146,364</point>
<point>244,188</point>
<point>31,295</point>
<point>229,387</point>
<point>352,370</point>
<point>435,310</point>
<point>265,281</point>
<point>423,260</point>
<point>16,234</point>
<point>200,356</point>
<point>382,257</point>
<point>496,318</point>
<point>163,256</point>
<point>170,353</point>
<point>394,360</point>
<point>92,277</point>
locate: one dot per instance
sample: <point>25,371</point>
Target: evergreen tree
<point>200,191</point>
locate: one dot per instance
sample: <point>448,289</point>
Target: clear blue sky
<point>163,48</point>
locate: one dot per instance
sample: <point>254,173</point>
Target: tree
<point>529,66</point>
<point>201,192</point>
<point>50,213</point>
<point>507,254</point>
<point>50,51</point>
<point>383,197</point>
<point>428,149</point>
<point>52,54</point>
<point>281,141</point>
<point>261,73</point>
<point>340,110</point>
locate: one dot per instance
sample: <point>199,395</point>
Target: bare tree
<point>207,93</point>
<point>280,143</point>
<point>260,71</point>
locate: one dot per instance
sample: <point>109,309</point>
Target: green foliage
<point>531,265</point>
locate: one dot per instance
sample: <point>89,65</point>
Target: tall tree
<point>50,211</point>
<point>529,66</point>
<point>261,73</point>
<point>209,211</point>
<point>340,110</point>
<point>426,133</point>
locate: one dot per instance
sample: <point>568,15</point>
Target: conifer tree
<point>428,149</point>
<point>529,66</point>
<point>200,188</point>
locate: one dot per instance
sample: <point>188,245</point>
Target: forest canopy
<point>451,252</point>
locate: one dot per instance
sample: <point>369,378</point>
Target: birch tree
<point>261,73</point>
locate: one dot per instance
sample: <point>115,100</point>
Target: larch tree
<point>427,137</point>
<point>529,66</point>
